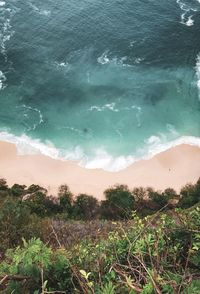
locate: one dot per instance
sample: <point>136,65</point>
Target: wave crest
<point>102,159</point>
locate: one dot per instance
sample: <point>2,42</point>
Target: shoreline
<point>172,168</point>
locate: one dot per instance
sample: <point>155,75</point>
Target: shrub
<point>155,255</point>
<point>36,203</point>
<point>190,195</point>
<point>169,194</point>
<point>16,222</point>
<point>39,267</point>
<point>85,207</point>
<point>18,190</point>
<point>3,185</point>
<point>158,199</point>
<point>140,193</point>
<point>36,188</point>
<point>65,199</point>
<point>4,190</point>
<point>119,203</point>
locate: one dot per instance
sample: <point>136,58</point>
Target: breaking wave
<point>102,159</point>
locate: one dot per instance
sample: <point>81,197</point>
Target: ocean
<point>101,82</point>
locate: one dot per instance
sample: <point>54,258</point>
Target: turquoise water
<point>101,82</point>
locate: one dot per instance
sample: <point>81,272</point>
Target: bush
<point>85,207</point>
<point>18,190</point>
<point>169,194</point>
<point>148,257</point>
<point>4,190</point>
<point>16,222</point>
<point>3,185</point>
<point>190,195</point>
<point>65,199</point>
<point>36,203</point>
<point>157,198</point>
<point>119,203</point>
<point>36,188</point>
<point>156,255</point>
<point>39,267</point>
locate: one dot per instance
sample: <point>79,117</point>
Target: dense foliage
<point>140,241</point>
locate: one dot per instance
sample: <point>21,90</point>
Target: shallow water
<point>104,82</point>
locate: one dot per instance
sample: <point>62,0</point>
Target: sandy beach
<point>173,168</point>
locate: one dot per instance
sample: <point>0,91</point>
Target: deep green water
<point>101,81</point>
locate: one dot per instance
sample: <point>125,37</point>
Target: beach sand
<point>173,168</point>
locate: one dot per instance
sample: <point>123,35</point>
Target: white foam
<point>2,80</point>
<point>190,21</point>
<point>45,12</point>
<point>101,159</point>
<point>40,119</point>
<point>153,140</point>
<point>40,11</point>
<point>26,145</point>
<point>132,43</point>
<point>138,60</point>
<point>159,147</point>
<point>153,146</point>
<point>104,59</point>
<point>186,16</point>
<point>64,66</point>
<point>108,106</point>
<point>105,161</point>
<point>198,72</point>
<point>6,31</point>
<point>112,107</point>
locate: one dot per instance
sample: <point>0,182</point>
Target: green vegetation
<point>140,241</point>
<point>119,203</point>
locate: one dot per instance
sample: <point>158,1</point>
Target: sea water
<point>103,82</point>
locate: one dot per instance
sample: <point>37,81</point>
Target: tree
<point>157,199</point>
<point>85,207</point>
<point>17,190</point>
<point>141,201</point>
<point>3,185</point>
<point>65,199</point>
<point>169,194</point>
<point>36,203</point>
<point>119,203</point>
<point>140,193</point>
<point>51,206</point>
<point>36,188</point>
<point>16,221</point>
<point>190,195</point>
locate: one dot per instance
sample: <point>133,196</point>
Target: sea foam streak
<point>186,16</point>
<point>105,59</point>
<point>102,159</point>
<point>6,31</point>
<point>40,11</point>
<point>2,80</point>
<point>26,111</point>
<point>198,73</point>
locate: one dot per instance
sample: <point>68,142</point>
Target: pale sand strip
<point>173,168</point>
